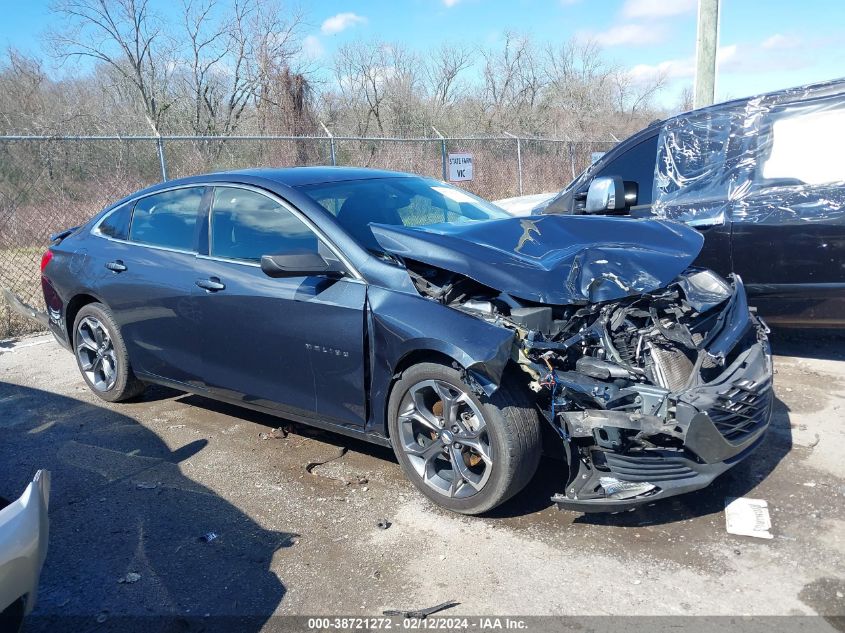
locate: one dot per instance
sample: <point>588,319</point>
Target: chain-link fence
<point>51,183</point>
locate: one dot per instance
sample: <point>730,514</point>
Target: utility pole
<point>707,43</point>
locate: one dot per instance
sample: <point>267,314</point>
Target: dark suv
<point>762,178</point>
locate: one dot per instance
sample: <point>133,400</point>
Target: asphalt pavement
<point>179,506</point>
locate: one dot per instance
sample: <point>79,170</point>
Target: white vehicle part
<point>24,529</point>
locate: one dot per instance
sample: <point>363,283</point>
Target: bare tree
<point>31,102</point>
<point>513,83</point>
<point>361,70</point>
<point>208,46</point>
<point>22,83</point>
<point>580,88</point>
<point>443,71</point>
<point>635,94</point>
<point>237,59</point>
<point>686,99</point>
<point>273,38</point>
<point>128,37</point>
<point>404,91</point>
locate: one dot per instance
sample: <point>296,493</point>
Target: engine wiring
<point>550,382</point>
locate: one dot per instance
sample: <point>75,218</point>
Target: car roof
<point>800,93</point>
<point>278,179</point>
<point>299,176</point>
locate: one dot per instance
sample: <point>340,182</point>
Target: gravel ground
<point>136,486</point>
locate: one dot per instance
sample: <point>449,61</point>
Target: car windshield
<point>406,201</point>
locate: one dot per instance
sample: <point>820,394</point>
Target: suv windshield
<point>405,201</point>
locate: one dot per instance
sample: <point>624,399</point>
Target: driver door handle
<point>117,266</point>
<point>212,284</point>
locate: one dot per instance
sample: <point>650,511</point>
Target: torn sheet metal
<point>553,259</point>
<point>749,159</point>
<point>18,305</point>
<point>748,517</point>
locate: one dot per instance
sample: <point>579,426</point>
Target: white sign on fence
<point>460,167</point>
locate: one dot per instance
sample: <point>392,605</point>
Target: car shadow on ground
<point>552,471</point>
<point>737,482</point>
<point>272,422</point>
<point>155,393</point>
<point>121,505</point>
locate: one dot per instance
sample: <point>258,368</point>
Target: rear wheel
<point>465,453</point>
<point>101,355</point>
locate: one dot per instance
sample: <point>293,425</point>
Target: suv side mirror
<point>606,193</point>
<point>300,264</point>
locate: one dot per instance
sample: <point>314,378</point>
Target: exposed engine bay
<point>650,394</point>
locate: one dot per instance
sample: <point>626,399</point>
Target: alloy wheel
<point>95,351</point>
<point>444,435</point>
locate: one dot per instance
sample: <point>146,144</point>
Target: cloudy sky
<point>763,45</point>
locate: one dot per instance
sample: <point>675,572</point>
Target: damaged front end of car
<point>653,393</point>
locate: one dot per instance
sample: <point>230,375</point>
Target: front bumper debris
<point>24,309</point>
<point>691,438</point>
<point>720,424</point>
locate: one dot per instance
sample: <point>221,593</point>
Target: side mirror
<point>299,264</point>
<point>606,193</point>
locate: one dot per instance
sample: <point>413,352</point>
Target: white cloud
<point>748,59</point>
<point>341,22</point>
<point>312,47</point>
<point>451,3</point>
<point>726,53</point>
<point>378,75</point>
<point>670,69</point>
<point>657,8</point>
<point>779,41</point>
<point>630,35</point>
<point>683,68</point>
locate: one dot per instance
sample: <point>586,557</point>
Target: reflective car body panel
<point>155,314</point>
<point>249,362</point>
<point>526,205</point>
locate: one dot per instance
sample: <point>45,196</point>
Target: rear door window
<point>116,223</point>
<point>167,219</point>
<point>246,225</point>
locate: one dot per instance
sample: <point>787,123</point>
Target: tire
<point>506,441</point>
<point>11,619</point>
<point>101,355</point>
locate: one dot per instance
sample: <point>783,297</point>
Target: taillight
<point>45,259</point>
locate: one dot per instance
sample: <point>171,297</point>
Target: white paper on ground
<point>748,517</point>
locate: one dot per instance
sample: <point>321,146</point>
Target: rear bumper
<point>56,310</point>
<point>718,425</point>
<point>24,530</point>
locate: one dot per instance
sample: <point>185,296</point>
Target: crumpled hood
<point>553,259</point>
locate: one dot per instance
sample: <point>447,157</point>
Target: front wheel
<point>465,453</point>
